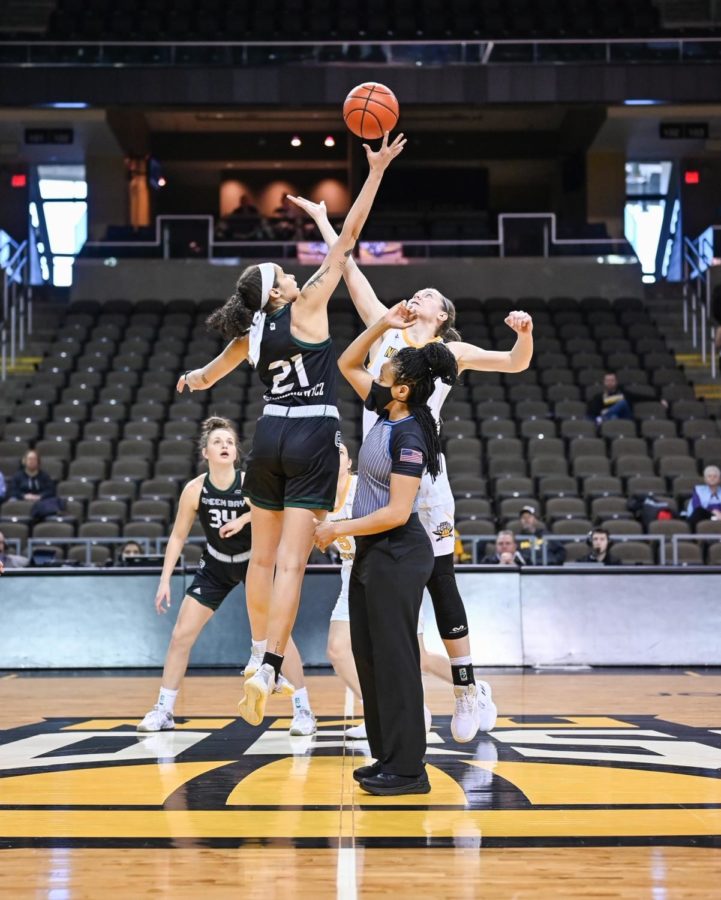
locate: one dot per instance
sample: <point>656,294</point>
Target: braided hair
<point>234,318</point>
<point>419,368</point>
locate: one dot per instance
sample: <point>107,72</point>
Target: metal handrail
<point>14,275</point>
<point>499,242</point>
<point>659,539</point>
<point>676,538</point>
<point>151,544</point>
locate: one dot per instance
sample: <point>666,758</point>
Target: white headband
<point>267,275</point>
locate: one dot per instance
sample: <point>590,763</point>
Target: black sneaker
<point>366,771</point>
<point>385,784</point>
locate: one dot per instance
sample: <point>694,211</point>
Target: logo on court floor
<point>534,780</point>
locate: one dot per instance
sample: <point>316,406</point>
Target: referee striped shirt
<point>389,448</point>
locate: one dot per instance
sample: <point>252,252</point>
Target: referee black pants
<point>389,574</point>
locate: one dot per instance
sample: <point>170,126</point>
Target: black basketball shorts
<point>214,580</point>
<point>293,462</point>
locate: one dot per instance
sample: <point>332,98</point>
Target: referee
<point>394,557</point>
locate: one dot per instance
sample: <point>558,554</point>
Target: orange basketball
<point>370,110</point>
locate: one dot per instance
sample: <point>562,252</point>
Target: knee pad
<point>447,603</point>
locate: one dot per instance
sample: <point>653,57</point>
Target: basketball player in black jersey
<point>291,477</point>
<point>217,499</point>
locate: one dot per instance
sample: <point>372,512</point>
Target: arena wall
<point>550,617</point>
<point>517,277</point>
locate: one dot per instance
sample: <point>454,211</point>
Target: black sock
<point>272,659</point>
<point>463,675</point>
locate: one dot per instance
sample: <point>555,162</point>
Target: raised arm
<point>224,363</point>
<point>517,359</point>
<point>352,361</point>
<point>364,298</point>
<point>318,289</point>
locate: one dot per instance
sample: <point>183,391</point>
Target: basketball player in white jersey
<point>435,317</point>
<point>339,645</point>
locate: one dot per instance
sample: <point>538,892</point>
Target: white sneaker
<point>489,713</point>
<point>357,732</point>
<point>475,710</point>
<point>253,664</point>
<point>303,723</point>
<point>257,690</point>
<point>467,715</point>
<point>427,717</point>
<point>157,720</point>
<point>283,686</point>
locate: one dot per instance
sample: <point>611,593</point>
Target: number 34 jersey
<point>215,508</point>
<point>294,372</point>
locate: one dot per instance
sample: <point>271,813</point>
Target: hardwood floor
<point>593,784</point>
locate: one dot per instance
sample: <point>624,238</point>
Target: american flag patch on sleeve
<point>411,456</point>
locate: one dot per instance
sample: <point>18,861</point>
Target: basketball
<point>370,110</point>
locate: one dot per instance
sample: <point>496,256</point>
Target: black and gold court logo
<point>559,780</point>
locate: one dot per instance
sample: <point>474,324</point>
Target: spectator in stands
<point>30,482</point>
<point>614,401</point>
<point>506,551</point>
<point>600,542</point>
<point>705,502</point>
<point>10,560</point>
<point>243,224</point>
<point>3,487</point>
<point>130,548</point>
<point>531,547</point>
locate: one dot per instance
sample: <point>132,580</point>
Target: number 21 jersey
<point>294,372</point>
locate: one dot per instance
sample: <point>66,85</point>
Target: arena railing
<point>16,322</point>
<point>659,48</point>
<point>698,258</point>
<point>214,249</point>
<point>151,545</point>
<point>156,545</point>
<point>540,557</point>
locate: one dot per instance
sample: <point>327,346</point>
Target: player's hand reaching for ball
<point>400,316</point>
<point>316,211</point>
<point>325,534</point>
<point>519,321</point>
<point>379,160</point>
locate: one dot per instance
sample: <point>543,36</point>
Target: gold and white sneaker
<point>257,690</point>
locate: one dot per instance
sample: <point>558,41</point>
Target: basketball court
<point>594,782</point>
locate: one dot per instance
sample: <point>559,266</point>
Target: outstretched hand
<point>400,316</point>
<point>519,321</point>
<point>316,211</point>
<point>379,160</point>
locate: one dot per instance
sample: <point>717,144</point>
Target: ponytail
<point>235,316</point>
<point>419,368</point>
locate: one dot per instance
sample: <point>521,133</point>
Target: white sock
<point>258,648</point>
<point>166,699</point>
<point>300,699</point>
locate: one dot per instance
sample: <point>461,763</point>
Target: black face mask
<point>378,398</point>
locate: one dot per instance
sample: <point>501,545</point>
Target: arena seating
<point>103,412</point>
